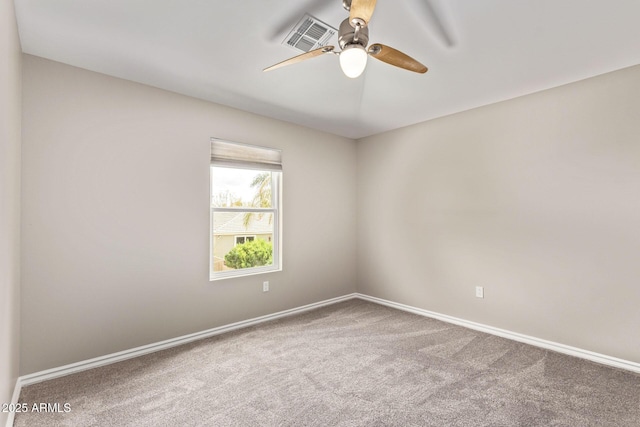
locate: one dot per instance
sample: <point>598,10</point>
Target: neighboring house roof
<point>233,223</point>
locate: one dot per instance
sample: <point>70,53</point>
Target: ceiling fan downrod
<point>347,34</point>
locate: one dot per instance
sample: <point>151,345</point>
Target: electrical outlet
<point>479,292</point>
<point>265,286</point>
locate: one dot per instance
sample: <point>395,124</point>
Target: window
<point>241,240</point>
<point>245,209</point>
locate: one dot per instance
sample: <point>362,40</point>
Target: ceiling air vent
<point>309,34</point>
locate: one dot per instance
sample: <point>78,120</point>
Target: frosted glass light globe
<point>353,60</point>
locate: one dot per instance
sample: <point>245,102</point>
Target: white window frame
<point>275,209</point>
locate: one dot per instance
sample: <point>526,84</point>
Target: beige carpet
<point>350,364</point>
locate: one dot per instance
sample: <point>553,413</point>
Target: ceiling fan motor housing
<point>347,35</point>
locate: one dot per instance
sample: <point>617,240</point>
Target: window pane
<point>240,187</point>
<point>242,240</point>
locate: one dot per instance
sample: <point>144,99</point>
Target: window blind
<point>233,154</point>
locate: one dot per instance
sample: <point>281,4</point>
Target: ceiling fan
<point>353,38</point>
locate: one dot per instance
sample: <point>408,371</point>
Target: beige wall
<point>534,198</point>
<point>116,216</point>
<point>10,115</point>
<point>537,199</point>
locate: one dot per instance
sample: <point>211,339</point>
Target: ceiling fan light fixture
<point>353,60</point>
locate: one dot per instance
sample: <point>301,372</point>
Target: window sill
<point>213,277</point>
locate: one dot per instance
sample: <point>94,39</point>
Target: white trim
<point>163,345</point>
<point>253,271</point>
<point>14,401</point>
<point>538,342</point>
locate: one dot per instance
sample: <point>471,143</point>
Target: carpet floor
<point>350,364</point>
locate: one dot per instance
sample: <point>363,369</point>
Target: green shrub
<point>250,254</point>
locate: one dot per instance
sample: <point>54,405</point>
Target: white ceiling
<point>478,52</point>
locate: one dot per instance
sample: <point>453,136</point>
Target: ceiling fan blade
<point>299,58</point>
<point>361,11</point>
<point>395,57</point>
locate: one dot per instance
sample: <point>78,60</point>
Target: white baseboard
<point>162,345</point>
<point>549,345</point>
<point>14,402</point>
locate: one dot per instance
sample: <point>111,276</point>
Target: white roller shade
<point>233,154</point>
